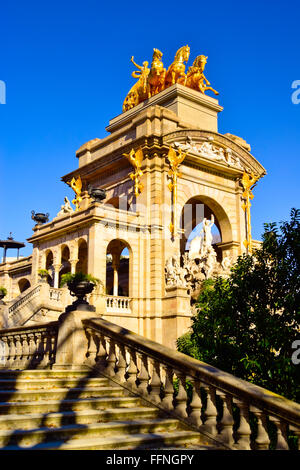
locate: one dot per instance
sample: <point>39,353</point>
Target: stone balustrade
<point>55,294</point>
<point>28,347</point>
<point>24,298</point>
<point>233,412</point>
<point>118,304</point>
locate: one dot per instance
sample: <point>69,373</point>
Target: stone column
<point>57,268</point>
<point>115,266</point>
<point>73,263</point>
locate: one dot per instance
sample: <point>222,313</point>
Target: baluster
<point>132,369</point>
<point>262,440</point>
<point>33,349</point>
<point>296,431</point>
<point>210,413</point>
<point>91,349</point>
<point>121,365</point>
<point>111,359</point>
<point>11,349</point>
<point>46,351</point>
<point>196,404</point>
<point>181,398</point>
<point>18,353</point>
<point>101,350</point>
<point>143,375</point>
<point>25,351</point>
<point>4,361</point>
<point>155,382</point>
<point>52,347</point>
<point>227,420</point>
<point>281,427</point>
<point>167,401</point>
<point>244,431</point>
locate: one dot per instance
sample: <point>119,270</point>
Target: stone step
<point>36,420</point>
<point>74,431</point>
<point>51,406</point>
<point>176,439</point>
<point>40,383</point>
<point>59,393</point>
<point>44,373</point>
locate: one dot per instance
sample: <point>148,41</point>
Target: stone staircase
<point>71,410</point>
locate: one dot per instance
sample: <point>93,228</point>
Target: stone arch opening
<point>118,266</point>
<point>82,263</point>
<point>193,212</point>
<point>23,284</point>
<point>65,261</point>
<point>49,266</point>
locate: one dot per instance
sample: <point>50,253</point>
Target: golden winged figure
<point>248,182</point>
<point>175,159</point>
<point>136,158</point>
<point>76,185</point>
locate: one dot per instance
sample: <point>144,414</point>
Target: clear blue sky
<point>67,69</point>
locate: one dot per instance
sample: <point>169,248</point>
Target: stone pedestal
<point>190,106</point>
<point>177,315</point>
<point>72,342</point>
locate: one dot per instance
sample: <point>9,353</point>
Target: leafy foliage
<point>246,324</point>
<point>43,272</point>
<point>3,291</point>
<point>76,278</point>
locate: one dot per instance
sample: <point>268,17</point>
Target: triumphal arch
<point>160,204</point>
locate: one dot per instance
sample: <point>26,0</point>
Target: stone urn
<point>80,289</point>
<point>97,194</point>
<point>39,217</point>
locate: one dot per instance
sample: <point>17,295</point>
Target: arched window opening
<point>117,268</point>
<point>193,214</point>
<point>49,267</point>
<point>23,284</point>
<point>82,264</point>
<point>65,262</point>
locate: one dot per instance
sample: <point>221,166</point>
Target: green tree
<point>246,324</point>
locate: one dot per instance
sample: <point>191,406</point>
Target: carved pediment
<point>215,148</point>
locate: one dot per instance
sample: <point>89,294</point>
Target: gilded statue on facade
<point>76,185</point>
<point>157,75</point>
<point>175,159</point>
<point>196,79</point>
<point>176,71</point>
<point>248,182</point>
<point>139,91</point>
<point>136,158</point>
<point>157,78</point>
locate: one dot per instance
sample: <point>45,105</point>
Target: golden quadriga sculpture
<point>156,79</point>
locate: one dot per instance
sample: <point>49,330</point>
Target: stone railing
<point>55,294</point>
<point>117,304</point>
<point>26,297</point>
<point>231,411</point>
<point>28,347</point>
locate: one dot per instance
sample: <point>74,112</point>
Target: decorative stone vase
<point>39,217</point>
<point>80,290</point>
<point>97,194</point>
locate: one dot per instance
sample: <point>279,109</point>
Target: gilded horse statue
<point>176,71</point>
<point>139,91</point>
<point>195,77</point>
<point>156,77</point>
